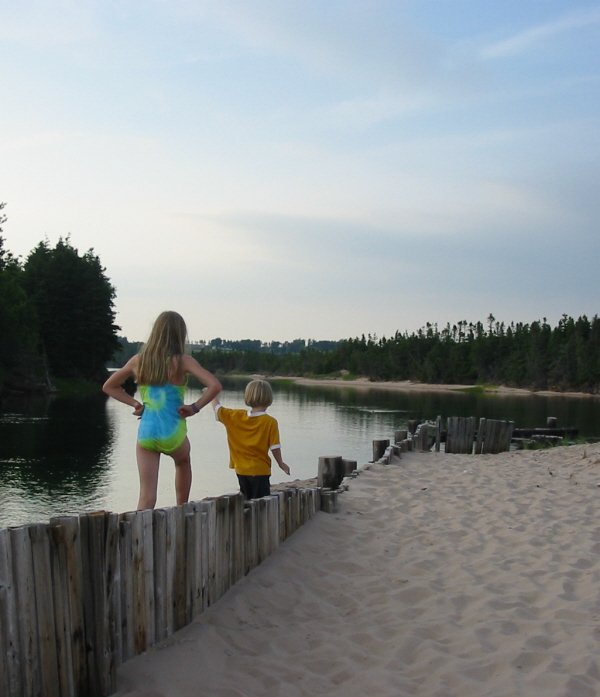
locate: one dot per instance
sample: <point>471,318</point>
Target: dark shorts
<point>254,487</point>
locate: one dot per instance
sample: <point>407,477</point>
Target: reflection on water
<point>54,455</point>
<point>68,455</point>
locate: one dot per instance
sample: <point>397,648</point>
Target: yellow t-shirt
<point>250,438</point>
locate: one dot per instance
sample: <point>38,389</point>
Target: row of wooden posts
<point>82,594</point>
<point>461,435</point>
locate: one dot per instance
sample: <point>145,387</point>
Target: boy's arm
<point>276,452</point>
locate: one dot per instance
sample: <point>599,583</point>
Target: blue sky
<point>315,169</point>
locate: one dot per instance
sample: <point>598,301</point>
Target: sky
<point>282,169</point>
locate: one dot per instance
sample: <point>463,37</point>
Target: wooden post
<point>197,589</point>
<point>191,566</point>
<point>205,557</point>
<point>161,599</point>
<point>273,522</point>
<point>127,591</point>
<point>251,534</point>
<point>179,579</point>
<point>288,512</point>
<point>24,583</point>
<point>263,530</point>
<point>10,680</point>
<point>412,426</point>
<point>400,435</point>
<point>329,470</point>
<point>348,466</point>
<point>379,446</point>
<point>551,422</point>
<point>62,618</point>
<point>209,507</point>
<point>281,508</point>
<point>44,606</point>
<point>112,599</point>
<point>422,438</point>
<point>480,432</point>
<point>249,560</point>
<point>438,433</point>
<point>96,582</point>
<point>236,515</point>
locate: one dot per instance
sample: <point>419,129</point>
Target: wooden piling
<point>329,472</point>
<point>379,447</point>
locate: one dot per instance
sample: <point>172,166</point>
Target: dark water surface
<point>69,455</point>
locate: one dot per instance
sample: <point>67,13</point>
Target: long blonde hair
<point>165,345</point>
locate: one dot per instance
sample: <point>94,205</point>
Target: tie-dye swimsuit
<point>161,428</point>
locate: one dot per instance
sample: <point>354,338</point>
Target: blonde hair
<point>258,394</point>
<point>165,345</point>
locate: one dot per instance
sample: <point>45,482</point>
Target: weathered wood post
<point>59,582</point>
<point>379,448</point>
<point>400,435</point>
<point>413,424</point>
<point>10,675</point>
<point>161,597</point>
<point>422,438</point>
<point>31,683</point>
<point>348,466</point>
<point>328,474</point>
<point>262,530</point>
<point>438,433</point>
<point>209,507</point>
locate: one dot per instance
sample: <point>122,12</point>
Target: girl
<point>161,370</point>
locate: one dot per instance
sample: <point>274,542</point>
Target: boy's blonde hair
<point>258,394</point>
<point>165,344</point>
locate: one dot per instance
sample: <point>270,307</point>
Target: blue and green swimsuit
<point>161,428</point>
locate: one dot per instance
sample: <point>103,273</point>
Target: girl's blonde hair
<point>165,346</point>
<point>258,394</point>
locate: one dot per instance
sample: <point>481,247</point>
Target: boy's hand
<point>284,467</point>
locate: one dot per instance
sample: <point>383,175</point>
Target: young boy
<point>251,436</point>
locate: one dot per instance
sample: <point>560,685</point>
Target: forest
<point>56,317</point>
<point>537,356</point>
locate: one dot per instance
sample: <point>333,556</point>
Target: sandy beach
<point>409,386</point>
<point>441,575</point>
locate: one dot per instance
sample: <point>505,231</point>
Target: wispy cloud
<point>535,35</point>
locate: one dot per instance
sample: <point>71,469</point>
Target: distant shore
<point>409,386</point>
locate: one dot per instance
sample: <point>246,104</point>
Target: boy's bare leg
<point>148,461</point>
<point>183,472</point>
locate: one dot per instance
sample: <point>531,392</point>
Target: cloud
<point>534,36</point>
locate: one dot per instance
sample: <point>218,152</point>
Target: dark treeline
<point>280,347</point>
<point>536,355</point>
<point>56,316</point>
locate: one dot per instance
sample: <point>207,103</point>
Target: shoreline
<point>409,386</point>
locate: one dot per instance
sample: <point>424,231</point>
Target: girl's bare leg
<point>183,472</point>
<point>148,461</point>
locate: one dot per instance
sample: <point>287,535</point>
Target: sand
<point>410,386</point>
<point>441,575</point>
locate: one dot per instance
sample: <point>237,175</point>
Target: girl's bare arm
<point>113,388</point>
<point>213,386</point>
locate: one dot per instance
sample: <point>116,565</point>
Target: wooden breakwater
<point>463,435</point>
<point>82,594</point>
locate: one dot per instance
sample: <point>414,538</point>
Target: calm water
<point>69,455</point>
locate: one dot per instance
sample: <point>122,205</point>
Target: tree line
<point>536,355</point>
<point>56,315</point>
<point>57,320</point>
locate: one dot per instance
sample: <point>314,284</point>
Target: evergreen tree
<point>17,318</point>
<point>73,299</point>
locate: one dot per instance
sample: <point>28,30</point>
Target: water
<point>70,455</point>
